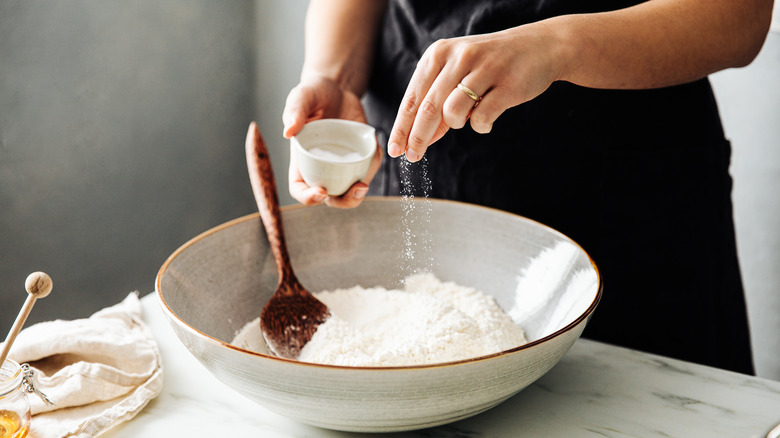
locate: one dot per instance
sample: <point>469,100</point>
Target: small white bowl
<point>334,153</point>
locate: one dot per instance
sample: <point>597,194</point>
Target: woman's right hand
<point>316,98</point>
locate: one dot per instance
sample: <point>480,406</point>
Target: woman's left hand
<point>500,70</point>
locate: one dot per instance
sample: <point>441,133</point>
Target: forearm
<point>660,42</point>
<point>340,40</point>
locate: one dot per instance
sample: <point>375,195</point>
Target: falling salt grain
<point>416,224</point>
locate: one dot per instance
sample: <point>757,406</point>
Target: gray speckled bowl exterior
<point>214,284</point>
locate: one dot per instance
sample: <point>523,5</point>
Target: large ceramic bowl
<point>217,282</point>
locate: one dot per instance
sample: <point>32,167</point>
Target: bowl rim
<point>252,216</point>
<point>369,130</point>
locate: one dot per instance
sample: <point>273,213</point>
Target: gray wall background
<point>122,126</point>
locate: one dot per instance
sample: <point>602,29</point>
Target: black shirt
<point>638,178</point>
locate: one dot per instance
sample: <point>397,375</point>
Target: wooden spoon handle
<point>38,285</point>
<point>261,176</point>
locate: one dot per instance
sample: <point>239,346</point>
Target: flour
<point>428,322</point>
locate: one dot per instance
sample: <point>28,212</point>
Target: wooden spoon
<point>292,315</point>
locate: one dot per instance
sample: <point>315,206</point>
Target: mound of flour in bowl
<point>428,322</point>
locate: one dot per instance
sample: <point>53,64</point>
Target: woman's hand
<point>502,69</point>
<point>320,98</point>
<point>649,45</point>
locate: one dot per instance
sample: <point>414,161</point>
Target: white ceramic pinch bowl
<point>219,281</point>
<point>334,153</point>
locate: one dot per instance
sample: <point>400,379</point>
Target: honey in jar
<point>14,406</point>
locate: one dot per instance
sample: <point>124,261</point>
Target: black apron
<point>640,179</point>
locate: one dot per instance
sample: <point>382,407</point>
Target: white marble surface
<point>596,390</point>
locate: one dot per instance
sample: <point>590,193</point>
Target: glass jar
<point>14,406</point>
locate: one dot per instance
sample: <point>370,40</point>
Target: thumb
<point>297,108</point>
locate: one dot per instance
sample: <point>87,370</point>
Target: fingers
<point>355,195</point>
<point>297,108</point>
<point>419,116</point>
<point>306,195</point>
<point>352,198</point>
<point>459,104</point>
<point>489,109</point>
<point>498,70</point>
<point>414,109</point>
<point>440,110</point>
<point>299,190</point>
<point>314,99</point>
<point>433,103</point>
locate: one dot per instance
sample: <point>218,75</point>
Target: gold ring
<point>476,97</point>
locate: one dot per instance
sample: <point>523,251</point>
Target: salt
<point>335,152</point>
<point>416,236</point>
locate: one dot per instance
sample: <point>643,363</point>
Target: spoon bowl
<point>292,315</point>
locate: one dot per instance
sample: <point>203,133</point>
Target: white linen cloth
<point>98,371</point>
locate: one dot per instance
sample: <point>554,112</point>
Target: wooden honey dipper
<point>38,285</point>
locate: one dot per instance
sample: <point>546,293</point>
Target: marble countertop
<point>596,390</point>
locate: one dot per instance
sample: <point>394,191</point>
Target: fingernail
<point>395,150</point>
<point>287,123</point>
<point>360,193</point>
<point>412,155</point>
<point>319,197</point>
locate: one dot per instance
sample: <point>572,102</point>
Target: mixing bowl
<point>220,280</point>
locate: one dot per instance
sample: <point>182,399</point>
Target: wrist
<point>567,45</point>
<point>338,75</point>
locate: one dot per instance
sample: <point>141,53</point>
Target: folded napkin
<point>98,371</point>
